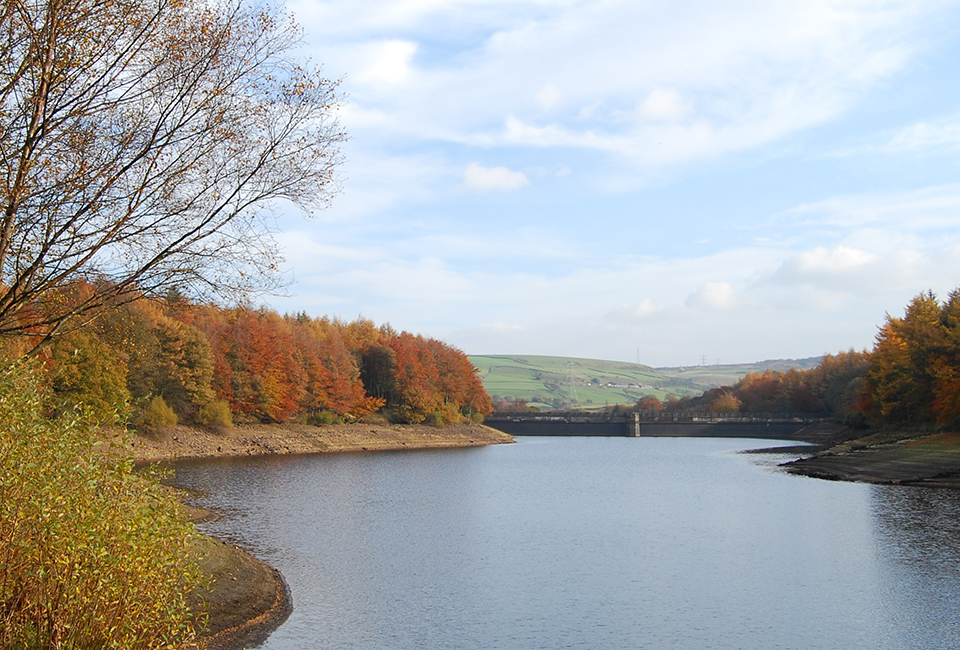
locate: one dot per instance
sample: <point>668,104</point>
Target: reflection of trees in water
<point>918,545</point>
<point>918,524</point>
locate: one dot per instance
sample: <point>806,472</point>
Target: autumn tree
<point>88,373</point>
<point>378,370</point>
<point>914,373</point>
<point>726,403</point>
<point>458,383</point>
<point>649,404</point>
<point>433,382</point>
<point>267,381</point>
<point>837,382</point>
<point>760,392</point>
<point>141,143</point>
<point>333,378</point>
<point>900,384</point>
<point>946,367</point>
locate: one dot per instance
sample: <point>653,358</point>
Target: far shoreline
<point>168,444</point>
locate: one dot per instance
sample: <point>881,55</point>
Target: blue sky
<point>731,180</point>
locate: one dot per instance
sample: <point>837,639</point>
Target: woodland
<point>154,362</point>
<point>910,380</point>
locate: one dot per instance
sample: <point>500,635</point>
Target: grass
<point>545,381</point>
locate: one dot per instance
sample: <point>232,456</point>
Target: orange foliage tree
<point>914,374</point>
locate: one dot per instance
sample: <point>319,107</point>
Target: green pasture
<point>706,377</point>
<point>545,381</point>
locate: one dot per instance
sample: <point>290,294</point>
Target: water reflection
<point>918,543</point>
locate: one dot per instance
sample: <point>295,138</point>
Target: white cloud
<point>374,183</point>
<point>736,78</point>
<point>505,327</point>
<point>925,209</point>
<point>386,61</point>
<point>822,261</point>
<point>630,95</point>
<point>714,296</point>
<point>646,307</point>
<point>634,314</point>
<point>491,179</point>
<point>549,96</point>
<point>811,301</point>
<point>924,136</point>
<point>664,105</point>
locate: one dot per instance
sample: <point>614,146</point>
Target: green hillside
<point>560,382</point>
<point>706,377</point>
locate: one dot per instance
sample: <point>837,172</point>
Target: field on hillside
<point>562,382</point>
<point>559,382</point>
<point>706,377</point>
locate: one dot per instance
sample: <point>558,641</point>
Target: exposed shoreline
<point>890,458</point>
<point>179,442</point>
<point>248,599</point>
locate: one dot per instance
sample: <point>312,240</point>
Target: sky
<point>671,182</point>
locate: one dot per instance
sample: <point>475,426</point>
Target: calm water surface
<point>590,543</point>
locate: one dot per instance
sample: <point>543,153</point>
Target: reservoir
<point>593,543</point>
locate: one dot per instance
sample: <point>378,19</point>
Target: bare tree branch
<point>140,143</point>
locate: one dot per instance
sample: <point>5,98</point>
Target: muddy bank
<point>172,443</point>
<point>244,601</point>
<point>888,458</point>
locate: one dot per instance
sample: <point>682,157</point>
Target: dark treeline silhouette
<point>157,362</point>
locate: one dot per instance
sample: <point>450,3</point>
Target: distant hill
<point>723,375</point>
<point>558,382</point>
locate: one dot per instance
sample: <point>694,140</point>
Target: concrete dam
<point>576,423</point>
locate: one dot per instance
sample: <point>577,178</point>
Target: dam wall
<point>631,425</point>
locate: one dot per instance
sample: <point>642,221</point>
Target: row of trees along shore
<point>157,362</point>
<point>910,379</point>
<point>145,145</point>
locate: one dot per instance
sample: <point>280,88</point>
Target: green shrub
<point>215,414</point>
<point>156,413</point>
<point>434,419</point>
<point>322,418</point>
<point>88,374</point>
<point>94,556</point>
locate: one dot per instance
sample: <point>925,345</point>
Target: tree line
<point>910,379</point>
<point>144,145</point>
<point>154,362</point>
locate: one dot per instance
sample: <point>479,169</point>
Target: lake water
<point>592,543</point>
